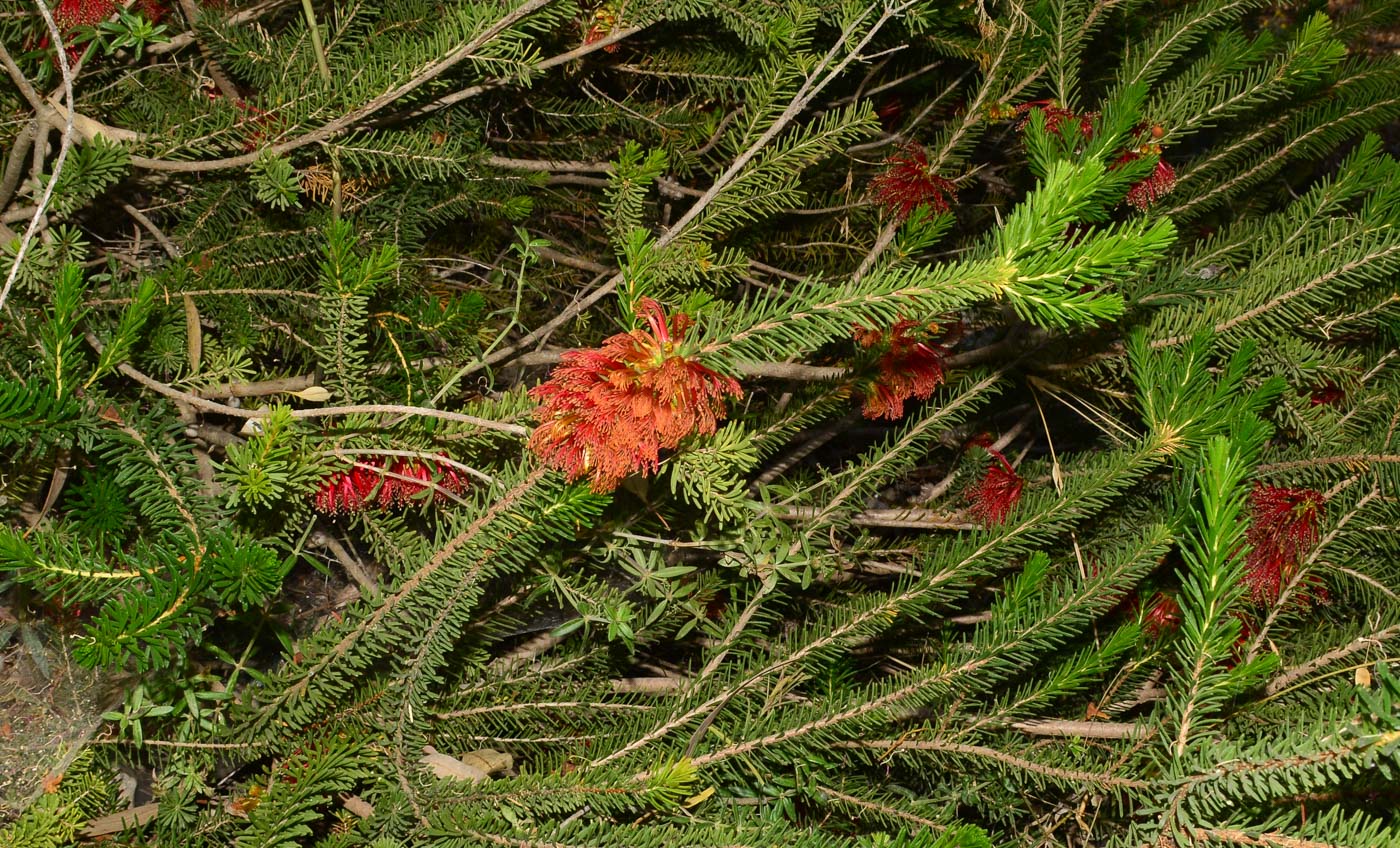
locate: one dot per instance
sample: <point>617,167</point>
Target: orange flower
<point>908,368</point>
<point>609,412</point>
<point>908,182</point>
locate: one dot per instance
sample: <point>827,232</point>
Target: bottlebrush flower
<point>405,480</point>
<point>1155,185</point>
<point>408,478</point>
<point>1283,526</point>
<point>908,368</point>
<point>347,491</point>
<point>1056,116</point>
<point>997,493</point>
<point>449,480</point>
<point>71,14</point>
<point>1162,616</point>
<point>1327,394</point>
<point>372,481</point>
<point>908,182</point>
<point>607,413</point>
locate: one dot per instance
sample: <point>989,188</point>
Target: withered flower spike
<point>908,182</point>
<point>997,493</point>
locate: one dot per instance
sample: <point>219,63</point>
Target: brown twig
<point>164,241</point>
<point>894,745</point>
<point>260,388</point>
<point>1290,676</point>
<point>913,518</point>
<point>216,72</point>
<point>204,405</point>
<point>14,166</point>
<point>369,587</point>
<point>65,144</point>
<point>1083,729</point>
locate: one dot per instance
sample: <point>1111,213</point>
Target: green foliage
<point>274,181</point>
<point>301,784</point>
<point>266,415</point>
<point>347,283</point>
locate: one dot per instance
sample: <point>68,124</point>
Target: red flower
<point>71,14</point>
<point>1055,116</point>
<point>1283,526</point>
<point>890,111</point>
<point>405,480</point>
<point>609,412</point>
<point>1328,394</point>
<point>153,10</point>
<point>409,478</point>
<point>370,481</point>
<point>347,491</point>
<point>997,493</point>
<point>450,480</point>
<point>1162,616</point>
<point>908,182</point>
<point>908,368</point>
<point>1155,185</point>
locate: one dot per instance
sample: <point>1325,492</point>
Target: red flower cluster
<point>609,412</point>
<point>1163,615</point>
<point>1328,394</point>
<point>1155,185</point>
<point>1143,193</point>
<point>70,15</point>
<point>1056,116</point>
<point>997,493</point>
<point>908,182</point>
<point>373,481</point>
<point>908,367</point>
<point>1283,526</point>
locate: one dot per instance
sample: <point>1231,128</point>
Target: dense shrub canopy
<point>532,423</point>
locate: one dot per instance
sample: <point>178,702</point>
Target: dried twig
<point>64,145</point>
